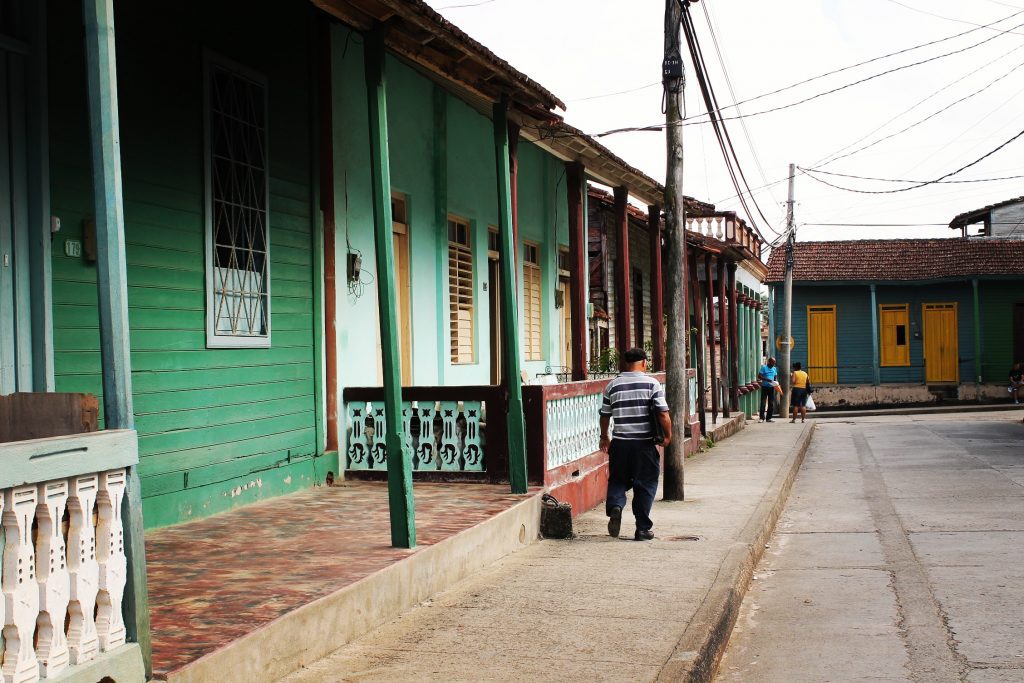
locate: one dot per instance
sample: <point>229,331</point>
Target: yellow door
<point>402,295</point>
<point>566,326</point>
<point>941,351</point>
<point>821,345</point>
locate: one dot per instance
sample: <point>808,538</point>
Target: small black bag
<point>810,389</point>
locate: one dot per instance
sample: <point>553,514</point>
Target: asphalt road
<point>900,556</point>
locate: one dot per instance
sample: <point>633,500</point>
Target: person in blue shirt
<point>768,374</point>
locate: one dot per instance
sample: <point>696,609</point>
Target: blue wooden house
<point>903,321</point>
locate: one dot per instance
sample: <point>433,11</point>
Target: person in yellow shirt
<point>798,397</point>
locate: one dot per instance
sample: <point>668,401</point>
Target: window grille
<point>532,302</point>
<point>238,276</point>
<point>460,291</point>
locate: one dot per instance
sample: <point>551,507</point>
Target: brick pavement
<point>217,579</point>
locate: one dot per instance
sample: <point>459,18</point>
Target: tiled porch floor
<point>217,579</point>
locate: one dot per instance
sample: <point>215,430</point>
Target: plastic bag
<point>810,403</point>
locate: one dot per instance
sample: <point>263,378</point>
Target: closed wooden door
<point>15,298</point>
<point>941,351</point>
<point>403,294</point>
<point>563,287</point>
<point>821,345</point>
<point>1018,333</point>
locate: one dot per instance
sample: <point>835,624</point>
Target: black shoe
<point>769,420</point>
<point>643,535</point>
<point>614,521</point>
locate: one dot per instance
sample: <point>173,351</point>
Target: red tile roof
<point>899,260</point>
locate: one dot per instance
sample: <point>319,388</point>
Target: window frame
<point>883,360</point>
<point>468,248</point>
<point>528,331</point>
<point>215,340</point>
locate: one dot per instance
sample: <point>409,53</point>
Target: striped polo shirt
<point>631,399</point>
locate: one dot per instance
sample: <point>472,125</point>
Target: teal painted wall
<point>217,427</point>
<point>853,325</point>
<point>998,298</point>
<point>470,192</point>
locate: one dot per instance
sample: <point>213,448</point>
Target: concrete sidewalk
<point>598,608</point>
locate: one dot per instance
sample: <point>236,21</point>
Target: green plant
<point>606,361</point>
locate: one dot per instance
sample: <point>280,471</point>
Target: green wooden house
<point>906,321</point>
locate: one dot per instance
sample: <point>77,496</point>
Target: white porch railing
<point>63,569</point>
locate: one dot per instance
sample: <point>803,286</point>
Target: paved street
<point>900,556</point>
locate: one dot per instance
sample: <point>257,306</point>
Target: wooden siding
<point>217,427</point>
<point>997,301</point>
<point>853,325</point>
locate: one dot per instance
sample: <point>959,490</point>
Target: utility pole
<point>677,391</point>
<point>787,301</point>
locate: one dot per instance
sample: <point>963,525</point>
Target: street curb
<point>696,655</point>
<point>919,410</point>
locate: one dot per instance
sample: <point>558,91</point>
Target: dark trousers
<point>633,465</point>
<point>767,397</point>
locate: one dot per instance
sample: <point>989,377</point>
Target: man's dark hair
<point>634,355</point>
<point>796,366</point>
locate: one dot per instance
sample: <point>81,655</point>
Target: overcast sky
<point>580,50</point>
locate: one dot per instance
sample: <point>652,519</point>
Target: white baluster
<point>719,231</point>
<point>54,580</point>
<point>110,555</point>
<point>83,568</point>
<point>21,592</point>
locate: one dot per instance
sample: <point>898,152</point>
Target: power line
<point>899,180</point>
<point>614,94</point>
<point>834,156</point>
<point>810,173</point>
<point>939,16</point>
<point>469,4</point>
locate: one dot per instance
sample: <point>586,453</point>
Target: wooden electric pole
<point>677,390</point>
<point>787,300</point>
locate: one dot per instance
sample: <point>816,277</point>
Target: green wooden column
<point>400,499</point>
<point>741,319</point>
<point>977,333</point>
<point>876,362</point>
<point>509,306</point>
<point>112,284</point>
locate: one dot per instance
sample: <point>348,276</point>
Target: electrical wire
<point>938,16</point>
<point>721,131</point>
<point>899,180</point>
<point>614,94</point>
<point>810,173</point>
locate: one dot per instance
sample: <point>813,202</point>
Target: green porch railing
<point>446,429</point>
<point>63,568</point>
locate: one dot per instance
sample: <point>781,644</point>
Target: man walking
<point>636,401</point>
<point>768,375</point>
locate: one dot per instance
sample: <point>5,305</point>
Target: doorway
<point>821,345</point>
<point>15,298</point>
<point>1018,334</point>
<point>494,303</point>
<point>941,350</point>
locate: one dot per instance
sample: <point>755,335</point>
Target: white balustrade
<point>573,430</point>
<point>63,573</point>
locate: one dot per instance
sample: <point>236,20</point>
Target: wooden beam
<point>698,342</point>
<point>112,286</point>
<point>576,186</point>
<point>509,304</point>
<point>723,334</point>
<point>709,290</point>
<point>657,288</point>
<point>623,321</point>
<point>327,208</point>
<point>734,339</point>
<point>400,495</point>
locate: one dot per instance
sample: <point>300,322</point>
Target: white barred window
<point>237,249</point>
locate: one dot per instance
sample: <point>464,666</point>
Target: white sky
<point>580,49</point>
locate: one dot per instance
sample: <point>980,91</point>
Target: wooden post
<point>112,285</point>
<point>513,183</point>
<point>709,291</point>
<point>400,495</point>
<point>734,347</point>
<point>441,223</point>
<point>657,290</point>
<point>698,342</point>
<point>327,208</point>
<point>509,304</point>
<point>741,348</point>
<point>623,304</point>
<point>876,363</point>
<point>771,322</point>
<point>723,336</point>
<point>977,333</point>
<point>575,187</point>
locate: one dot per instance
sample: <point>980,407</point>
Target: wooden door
<point>1018,334</point>
<point>494,311</point>
<point>402,296</point>
<point>821,345</point>
<point>563,287</point>
<point>15,299</point>
<point>941,350</point>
